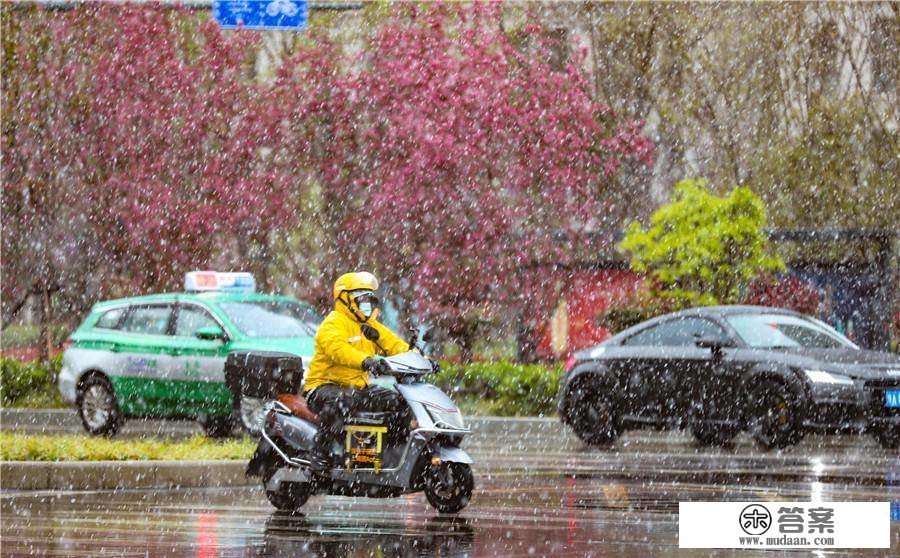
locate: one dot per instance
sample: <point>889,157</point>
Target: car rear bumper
<point>66,383</point>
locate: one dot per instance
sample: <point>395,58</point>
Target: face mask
<point>365,308</point>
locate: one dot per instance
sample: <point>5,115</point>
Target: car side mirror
<point>714,343</point>
<point>210,333</point>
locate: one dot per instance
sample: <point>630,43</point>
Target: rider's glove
<point>435,367</point>
<point>370,364</point>
<point>376,365</point>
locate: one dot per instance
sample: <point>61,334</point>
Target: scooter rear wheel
<point>290,496</point>
<point>449,486</point>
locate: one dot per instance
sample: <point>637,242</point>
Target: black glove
<point>376,366</point>
<point>435,367</point>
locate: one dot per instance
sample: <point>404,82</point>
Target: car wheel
<point>775,414</point>
<point>448,486</point>
<point>97,406</point>
<point>888,436</point>
<point>290,496</point>
<point>251,414</point>
<point>593,417</point>
<point>217,426</point>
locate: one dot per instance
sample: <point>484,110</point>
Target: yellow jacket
<point>341,348</point>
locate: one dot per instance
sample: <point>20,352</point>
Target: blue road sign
<point>284,15</point>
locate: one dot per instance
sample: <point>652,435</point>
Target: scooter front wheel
<point>449,486</point>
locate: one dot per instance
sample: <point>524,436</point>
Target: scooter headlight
<point>446,418</point>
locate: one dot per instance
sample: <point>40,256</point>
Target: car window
<point>110,319</point>
<point>192,318</point>
<point>680,332</point>
<point>273,318</point>
<point>772,331</point>
<point>151,320</point>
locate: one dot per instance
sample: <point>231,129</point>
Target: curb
<point>112,475</point>
<point>515,432</point>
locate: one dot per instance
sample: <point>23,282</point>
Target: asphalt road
<point>539,492</point>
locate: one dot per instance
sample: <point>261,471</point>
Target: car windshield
<point>273,318</point>
<point>772,331</point>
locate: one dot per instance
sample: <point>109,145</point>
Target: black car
<point>720,369</point>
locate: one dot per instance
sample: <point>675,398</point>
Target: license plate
<point>892,398</point>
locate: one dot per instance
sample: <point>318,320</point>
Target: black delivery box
<point>263,374</point>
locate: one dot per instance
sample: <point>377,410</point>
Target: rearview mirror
<point>210,333</point>
<point>428,336</point>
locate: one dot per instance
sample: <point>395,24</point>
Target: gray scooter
<point>372,464</point>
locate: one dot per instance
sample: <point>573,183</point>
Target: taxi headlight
<point>446,419</point>
<point>822,377</point>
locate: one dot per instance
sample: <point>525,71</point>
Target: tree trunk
<point>465,339</point>
<point>45,342</point>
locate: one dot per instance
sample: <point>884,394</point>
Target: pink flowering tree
<point>179,158</point>
<point>42,116</point>
<point>458,159</point>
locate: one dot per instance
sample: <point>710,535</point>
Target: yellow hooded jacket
<point>341,348</point>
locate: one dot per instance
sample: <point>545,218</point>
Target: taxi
<point>163,355</point>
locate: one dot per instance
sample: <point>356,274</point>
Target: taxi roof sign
<point>235,282</point>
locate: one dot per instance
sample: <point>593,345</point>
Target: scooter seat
<point>368,419</point>
<point>296,404</point>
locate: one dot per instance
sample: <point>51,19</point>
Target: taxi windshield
<point>272,318</point>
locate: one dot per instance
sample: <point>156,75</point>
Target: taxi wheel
<point>217,427</point>
<point>775,414</point>
<point>97,406</point>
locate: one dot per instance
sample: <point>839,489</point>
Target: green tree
<point>701,248</point>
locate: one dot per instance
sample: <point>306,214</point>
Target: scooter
<point>372,462</point>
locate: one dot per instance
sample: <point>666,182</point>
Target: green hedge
<point>23,447</point>
<point>18,336</point>
<point>29,384</point>
<point>502,388</point>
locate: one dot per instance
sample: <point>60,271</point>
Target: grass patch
<point>26,447</point>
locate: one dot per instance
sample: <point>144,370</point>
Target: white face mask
<point>366,309</point>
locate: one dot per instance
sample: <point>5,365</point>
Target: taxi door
<point>198,363</point>
<point>144,348</point>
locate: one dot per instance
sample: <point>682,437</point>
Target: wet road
<point>537,495</point>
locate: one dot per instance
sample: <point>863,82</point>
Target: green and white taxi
<point>163,355</point>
